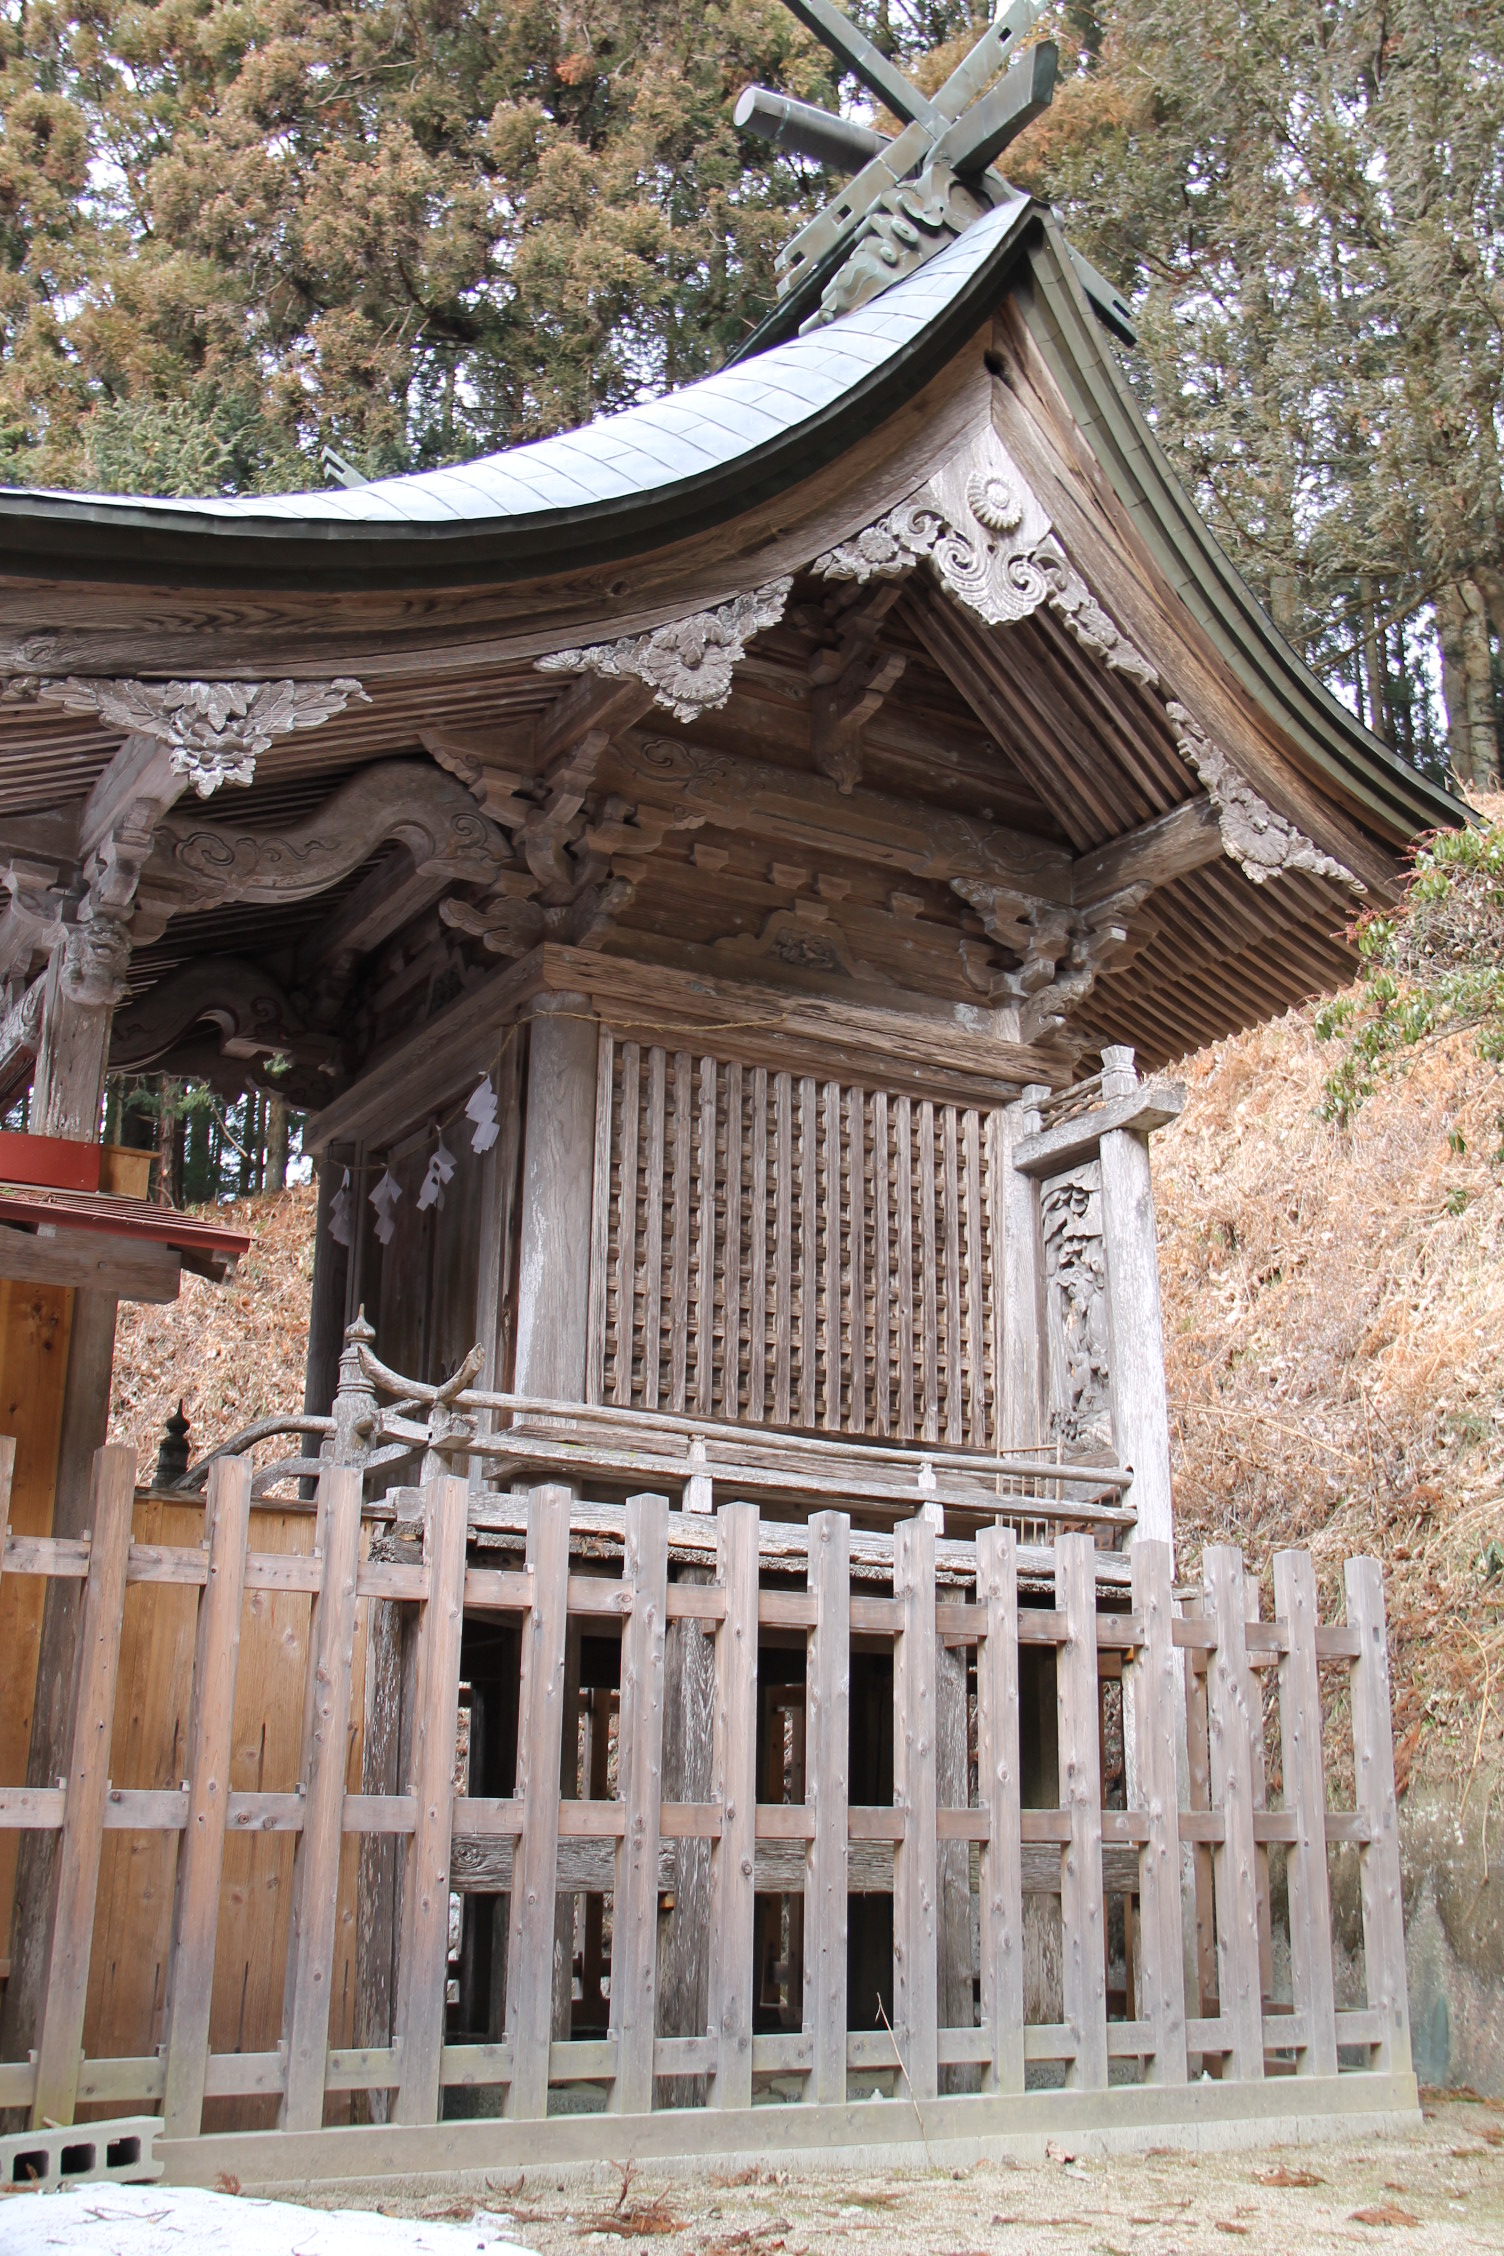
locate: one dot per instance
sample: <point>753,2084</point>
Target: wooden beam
<point>1154,1105</point>
<point>1155,854</point>
<point>125,1268</point>
<point>141,769</point>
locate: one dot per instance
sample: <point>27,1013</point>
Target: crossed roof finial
<point>914,189</point>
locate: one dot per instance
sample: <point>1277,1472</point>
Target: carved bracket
<point>248,1010</point>
<point>1262,843</point>
<point>688,664</point>
<point>215,730</point>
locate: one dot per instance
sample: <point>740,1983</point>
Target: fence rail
<point>1136,1865</point>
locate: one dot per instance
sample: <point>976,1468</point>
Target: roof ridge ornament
<point>989,538</point>
<point>216,729</point>
<point>687,663</point>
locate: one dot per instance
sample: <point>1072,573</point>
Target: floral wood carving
<point>217,730</point>
<point>1076,1309</point>
<point>688,664</point>
<point>980,525</point>
<point>1262,843</point>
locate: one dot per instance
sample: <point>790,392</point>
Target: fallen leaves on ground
<point>1285,2177</point>
<point>1383,2213</point>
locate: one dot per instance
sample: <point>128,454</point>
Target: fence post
<point>827,1772</point>
<point>1311,1977</point>
<point>916,1927</point>
<point>998,1781</point>
<point>1230,1704</point>
<point>734,1786</point>
<point>634,1922</point>
<point>60,2042</point>
<point>190,1969</point>
<point>1151,1688</point>
<point>540,1740</point>
<point>1084,1952</point>
<point>315,1900</point>
<point>1379,1857</point>
<point>423,1965</point>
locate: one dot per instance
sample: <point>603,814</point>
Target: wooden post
<point>1229,1707</point>
<point>634,1924</point>
<point>734,1786</point>
<point>916,1926</point>
<point>558,1169</point>
<point>1152,1689</point>
<point>1135,1329</point>
<point>190,1970</point>
<point>956,1993</point>
<point>423,1966</point>
<point>689,1700</point>
<point>60,2043</point>
<point>1021,1420</point>
<point>1084,1955</point>
<point>998,1780</point>
<point>315,1897</point>
<point>540,1735</point>
<point>71,1057</point>
<point>326,1308</point>
<point>1379,1857</point>
<point>1258,1779</point>
<point>1311,1975</point>
<point>827,1763</point>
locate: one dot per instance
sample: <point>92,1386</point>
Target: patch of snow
<point>144,2220</point>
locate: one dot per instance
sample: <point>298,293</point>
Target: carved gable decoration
<point>1262,843</point>
<point>688,664</point>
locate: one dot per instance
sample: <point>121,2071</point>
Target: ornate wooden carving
<point>1262,843</point>
<point>1080,1401</point>
<point>248,1010</point>
<point>216,730</point>
<point>687,664</point>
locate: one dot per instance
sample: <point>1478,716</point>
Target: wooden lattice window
<point>798,1251</point>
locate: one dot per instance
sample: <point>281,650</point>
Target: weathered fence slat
<point>540,1736</point>
<point>915,1876</point>
<point>1151,1685</point>
<point>1231,1705</point>
<point>998,1782</point>
<point>634,1926</point>
<point>423,1963</point>
<point>315,1902</point>
<point>734,1787</point>
<point>1081,1904</point>
<point>1379,1857</point>
<point>60,2040</point>
<point>827,1756</point>
<point>1311,1975</point>
<point>190,1972</point>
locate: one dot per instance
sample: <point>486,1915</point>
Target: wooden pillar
<point>1135,1329</point>
<point>1021,1384</point>
<point>952,1791</point>
<point>558,1165</point>
<point>688,1751</point>
<point>71,1058</point>
<point>326,1309</point>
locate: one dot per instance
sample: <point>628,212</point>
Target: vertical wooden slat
<point>678,1304</point>
<point>1229,1713</point>
<point>315,1880</point>
<point>856,1295</point>
<point>190,1973</point>
<point>731,1291</point>
<point>1150,1690</point>
<point>1199,1790</point>
<point>423,1967</point>
<point>1081,1904</point>
<point>652,1227</point>
<point>976,1357</point>
<point>955,1361</point>
<point>540,1740</point>
<point>1379,1857</point>
<point>60,2038</point>
<point>928,1281</point>
<point>998,1780</point>
<point>882,1269</point>
<point>915,1921</point>
<point>705,1247</point>
<point>757,1279</point>
<point>808,1249</point>
<point>634,1925</point>
<point>626,1227</point>
<point>732,1873</point>
<point>783,1249</point>
<point>600,1225</point>
<point>827,1771</point>
<point>1312,1982</point>
<point>903,1196</point>
<point>1260,1784</point>
<point>830,1260</point>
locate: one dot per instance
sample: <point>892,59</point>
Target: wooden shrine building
<point>724,882</point>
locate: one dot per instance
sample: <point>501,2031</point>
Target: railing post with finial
<point>354,1406</point>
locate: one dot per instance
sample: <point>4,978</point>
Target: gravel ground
<point>1443,2190</point>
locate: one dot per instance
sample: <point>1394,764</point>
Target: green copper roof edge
<point>1358,763</point>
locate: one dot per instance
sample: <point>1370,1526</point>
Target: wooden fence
<point>1180,1850</point>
